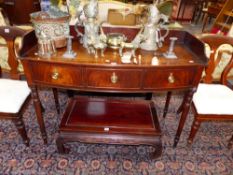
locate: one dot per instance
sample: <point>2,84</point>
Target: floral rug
<point>208,154</point>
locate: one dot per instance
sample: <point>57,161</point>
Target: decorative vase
<point>51,27</point>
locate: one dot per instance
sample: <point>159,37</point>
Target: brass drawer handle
<point>171,78</point>
<point>114,78</point>
<point>55,75</point>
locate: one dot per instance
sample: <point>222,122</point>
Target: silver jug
<point>150,37</point>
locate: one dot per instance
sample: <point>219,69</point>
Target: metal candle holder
<point>69,52</point>
<point>170,53</point>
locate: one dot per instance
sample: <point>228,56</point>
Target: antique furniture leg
<point>180,109</point>
<point>230,144</point>
<point>195,126</point>
<point>158,146</point>
<point>40,120</point>
<point>55,94</point>
<point>60,145</point>
<point>157,152</point>
<point>21,129</point>
<point>168,98</point>
<point>187,103</point>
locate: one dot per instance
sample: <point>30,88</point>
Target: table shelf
<point>97,120</point>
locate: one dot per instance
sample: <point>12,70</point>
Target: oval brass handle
<point>171,78</point>
<point>114,78</point>
<point>55,75</point>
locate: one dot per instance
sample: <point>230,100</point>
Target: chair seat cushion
<point>12,95</point>
<point>213,99</point>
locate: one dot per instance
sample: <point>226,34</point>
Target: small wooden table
<point>94,120</point>
<point>108,74</point>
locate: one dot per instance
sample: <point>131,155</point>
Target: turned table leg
<point>187,103</point>
<point>168,98</point>
<point>37,105</point>
<point>55,95</point>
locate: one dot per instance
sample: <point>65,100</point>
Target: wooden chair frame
<point>214,41</point>
<point>9,34</point>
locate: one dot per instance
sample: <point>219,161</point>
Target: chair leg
<point>21,129</point>
<point>230,144</point>
<point>55,94</point>
<point>168,98</point>
<point>194,129</point>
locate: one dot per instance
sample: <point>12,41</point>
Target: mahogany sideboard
<point>109,74</point>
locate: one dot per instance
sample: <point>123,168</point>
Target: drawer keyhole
<point>114,78</point>
<point>55,75</point>
<point>171,78</point>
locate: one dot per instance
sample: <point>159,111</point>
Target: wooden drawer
<point>169,78</point>
<point>56,74</point>
<point>114,78</point>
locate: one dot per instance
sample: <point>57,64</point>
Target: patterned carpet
<point>208,154</point>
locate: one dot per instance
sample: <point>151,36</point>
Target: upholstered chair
<point>213,102</point>
<point>223,59</point>
<point>214,97</point>
<point>10,44</point>
<point>14,93</point>
<point>14,97</point>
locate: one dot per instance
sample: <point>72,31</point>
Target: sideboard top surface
<point>189,50</point>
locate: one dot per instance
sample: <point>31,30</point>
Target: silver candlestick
<point>69,52</point>
<point>170,53</point>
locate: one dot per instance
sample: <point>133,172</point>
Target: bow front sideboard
<point>108,74</point>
